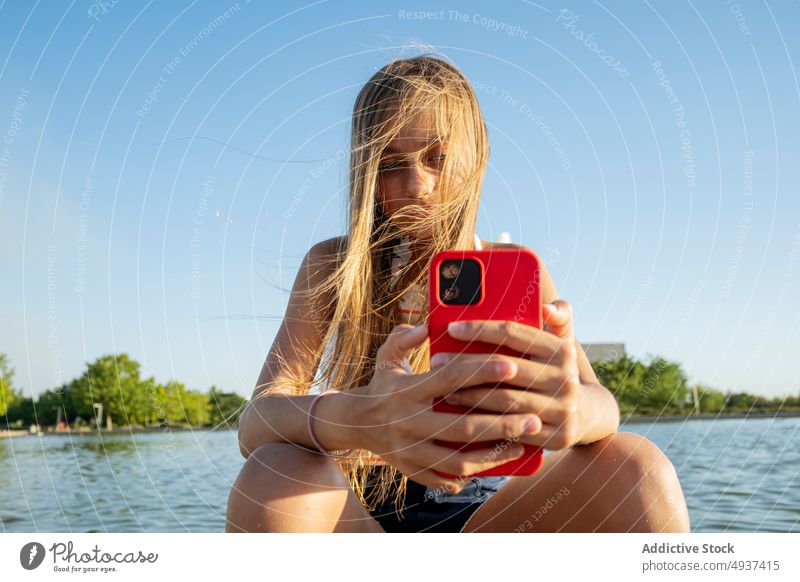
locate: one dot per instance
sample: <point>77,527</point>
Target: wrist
<point>598,413</point>
<point>336,421</point>
<point>584,421</point>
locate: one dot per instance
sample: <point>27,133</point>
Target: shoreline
<point>138,430</point>
<point>638,419</point>
<point>644,418</point>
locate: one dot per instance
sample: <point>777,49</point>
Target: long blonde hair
<point>361,303</point>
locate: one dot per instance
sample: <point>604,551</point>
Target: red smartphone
<point>495,284</point>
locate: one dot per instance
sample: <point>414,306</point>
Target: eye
<point>388,166</point>
<point>438,159</point>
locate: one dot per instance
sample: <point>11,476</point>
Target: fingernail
<point>532,425</point>
<point>517,451</point>
<point>452,399</point>
<point>456,327</point>
<point>413,330</point>
<point>439,360</point>
<point>505,368</point>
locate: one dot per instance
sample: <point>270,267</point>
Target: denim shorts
<point>430,510</point>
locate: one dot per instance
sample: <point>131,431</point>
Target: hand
<point>399,424</point>
<point>558,318</point>
<point>547,372</point>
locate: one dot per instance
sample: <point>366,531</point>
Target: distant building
<point>605,352</point>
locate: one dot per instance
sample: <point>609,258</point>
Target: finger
<point>558,317</point>
<point>474,427</point>
<point>551,436</point>
<point>525,339</point>
<point>466,463</point>
<point>507,401</point>
<point>392,353</point>
<point>545,377</point>
<point>443,380</point>
<point>558,313</point>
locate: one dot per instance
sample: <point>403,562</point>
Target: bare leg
<point>622,483</point>
<point>285,488</point>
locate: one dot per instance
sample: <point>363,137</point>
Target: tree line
<point>660,387</point>
<point>113,384</point>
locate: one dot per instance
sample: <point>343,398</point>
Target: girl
<point>356,318</point>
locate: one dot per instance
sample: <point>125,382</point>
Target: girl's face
<point>408,171</point>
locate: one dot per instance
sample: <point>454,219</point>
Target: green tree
<point>156,397</point>
<point>162,410</point>
<point>47,406</point>
<point>624,378</point>
<point>710,400</point>
<point>224,407</point>
<point>21,413</point>
<point>196,409</point>
<point>7,394</point>
<point>114,382</point>
<point>656,387</point>
<point>175,396</point>
<point>664,387</point>
<point>786,404</point>
<point>740,402</point>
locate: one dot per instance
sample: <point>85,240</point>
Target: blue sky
<point>648,152</point>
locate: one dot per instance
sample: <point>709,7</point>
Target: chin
<point>424,233</point>
<point>415,226</point>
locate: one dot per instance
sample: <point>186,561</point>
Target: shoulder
<point>313,289</point>
<point>327,252</point>
<point>321,260</point>
<point>331,247</point>
<point>549,292</point>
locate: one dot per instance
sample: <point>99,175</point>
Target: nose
<point>419,183</point>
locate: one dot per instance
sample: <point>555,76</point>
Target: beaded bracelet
<point>311,430</point>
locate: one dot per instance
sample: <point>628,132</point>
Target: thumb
<point>558,316</point>
<point>399,343</point>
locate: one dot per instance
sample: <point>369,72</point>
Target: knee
<point>274,477</point>
<point>637,466</point>
<point>286,464</point>
<point>636,461</point>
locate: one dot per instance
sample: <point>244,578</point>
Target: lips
<point>420,210</point>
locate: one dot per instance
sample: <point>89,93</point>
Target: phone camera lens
<point>451,293</point>
<point>450,270</point>
<point>459,280</point>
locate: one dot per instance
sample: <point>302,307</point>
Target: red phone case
<point>510,290</point>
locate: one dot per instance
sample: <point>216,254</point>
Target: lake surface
<point>737,475</point>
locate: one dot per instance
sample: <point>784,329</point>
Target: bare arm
<point>278,410</point>
<point>598,405</point>
<point>598,408</point>
<point>282,418</point>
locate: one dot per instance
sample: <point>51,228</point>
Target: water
<point>149,482</point>
<point>737,475</point>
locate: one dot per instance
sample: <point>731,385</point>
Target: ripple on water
<point>736,475</point>
<point>7,519</point>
